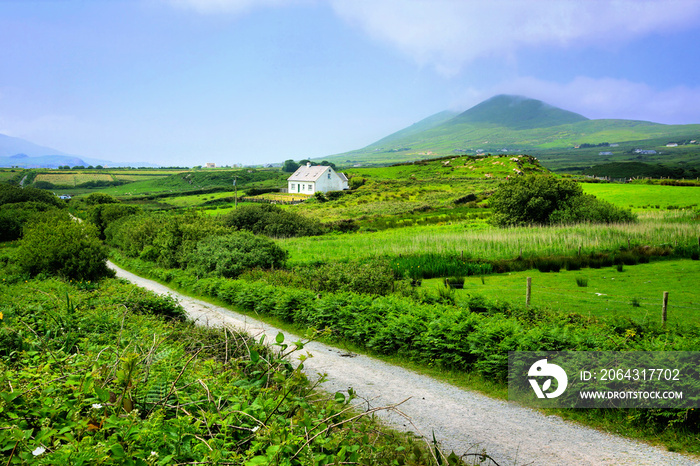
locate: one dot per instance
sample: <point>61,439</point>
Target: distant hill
<point>10,146</point>
<point>516,124</point>
<point>43,161</point>
<point>16,152</point>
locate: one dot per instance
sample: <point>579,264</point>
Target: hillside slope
<point>515,124</point>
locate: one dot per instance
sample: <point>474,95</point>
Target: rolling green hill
<point>563,140</point>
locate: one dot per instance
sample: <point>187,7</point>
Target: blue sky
<point>184,82</point>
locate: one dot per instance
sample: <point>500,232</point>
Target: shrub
<point>11,194</point>
<point>355,182</point>
<point>14,216</point>
<point>271,220</point>
<point>545,200</point>
<point>54,244</point>
<point>582,282</point>
<point>230,255</point>
<point>100,198</point>
<point>376,277</point>
<point>464,199</point>
<point>344,225</point>
<point>142,302</point>
<point>335,195</point>
<point>102,214</point>
<point>164,238</point>
<point>531,199</point>
<point>587,208</point>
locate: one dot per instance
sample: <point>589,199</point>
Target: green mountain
<point>515,124</point>
<point>516,113</point>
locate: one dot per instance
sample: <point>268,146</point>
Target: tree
<point>55,244</point>
<point>290,166</point>
<point>546,200</point>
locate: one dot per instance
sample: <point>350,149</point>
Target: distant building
<point>211,165</point>
<point>672,144</point>
<point>309,179</point>
<point>605,153</point>
<point>644,152</point>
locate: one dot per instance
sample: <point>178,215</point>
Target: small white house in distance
<point>309,179</point>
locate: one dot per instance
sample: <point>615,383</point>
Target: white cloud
<point>602,98</point>
<point>448,34</point>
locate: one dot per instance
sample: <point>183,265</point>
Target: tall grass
<point>490,243</point>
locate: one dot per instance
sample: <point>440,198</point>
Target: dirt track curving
<point>463,421</point>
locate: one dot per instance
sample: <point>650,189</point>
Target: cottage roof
<point>308,173</point>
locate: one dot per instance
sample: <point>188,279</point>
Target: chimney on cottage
<point>308,164</point>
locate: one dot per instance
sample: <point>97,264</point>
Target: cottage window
<point>292,185</point>
<point>329,175</point>
<point>311,187</point>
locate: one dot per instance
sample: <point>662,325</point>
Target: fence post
<point>528,292</point>
<point>663,309</point>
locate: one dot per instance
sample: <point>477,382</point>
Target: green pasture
<point>7,174</point>
<point>478,240</point>
<point>645,196</point>
<point>636,292</point>
<point>195,200</point>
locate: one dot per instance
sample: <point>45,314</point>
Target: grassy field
<point>478,240</point>
<point>72,178</point>
<point>636,292</point>
<point>643,196</point>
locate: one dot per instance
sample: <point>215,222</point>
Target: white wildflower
<point>96,405</point>
<point>38,451</point>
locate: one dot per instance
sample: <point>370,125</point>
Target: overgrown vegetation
<point>98,373</point>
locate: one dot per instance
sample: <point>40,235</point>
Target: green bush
<point>102,214</point>
<point>11,194</point>
<point>230,255</point>
<point>271,220</point>
<point>166,239</point>
<point>55,244</point>
<point>587,208</point>
<point>546,200</point>
<point>376,277</point>
<point>144,302</point>
<point>14,216</point>
<point>100,198</point>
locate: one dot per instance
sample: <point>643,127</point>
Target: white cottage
<point>309,179</point>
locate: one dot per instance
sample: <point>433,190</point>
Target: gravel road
<point>463,421</point>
